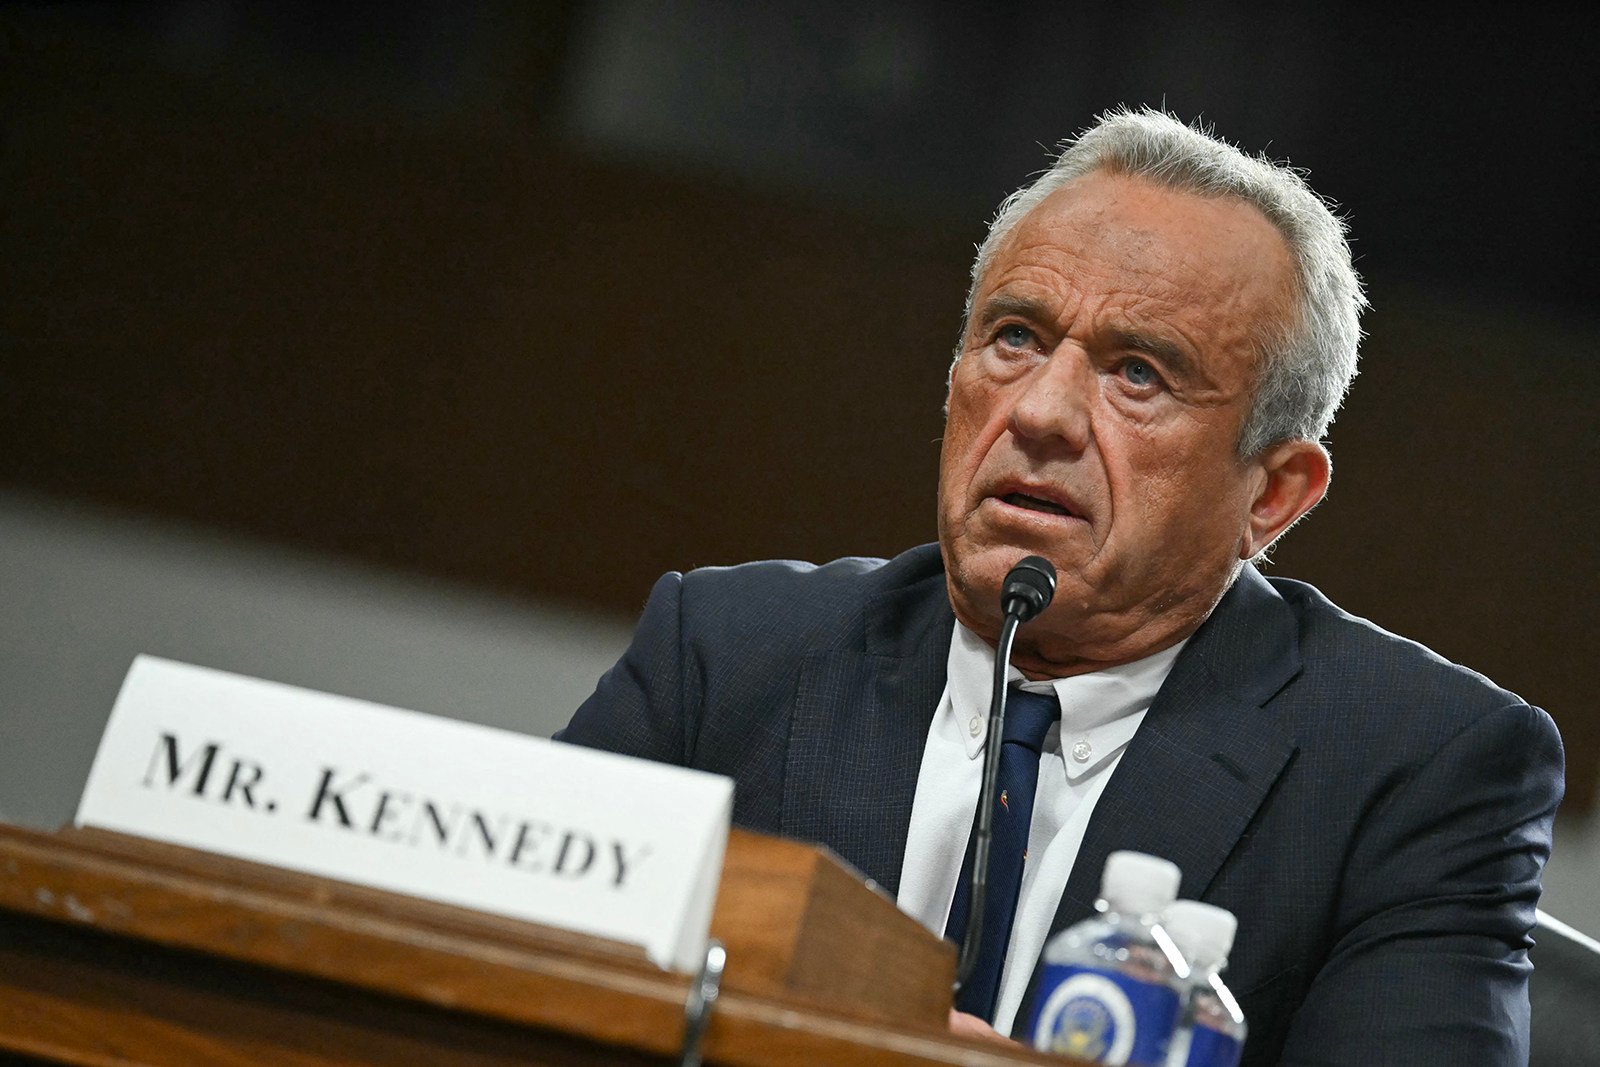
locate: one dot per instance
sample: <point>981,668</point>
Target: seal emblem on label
<point>1087,1016</point>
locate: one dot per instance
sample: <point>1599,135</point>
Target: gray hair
<point>1305,365</point>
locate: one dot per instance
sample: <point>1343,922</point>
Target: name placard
<point>451,811</point>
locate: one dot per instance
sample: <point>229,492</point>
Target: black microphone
<point>1024,594</point>
<point>1028,588</point>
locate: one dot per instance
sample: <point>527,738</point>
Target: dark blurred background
<point>544,299</point>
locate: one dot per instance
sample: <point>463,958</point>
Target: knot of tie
<point>1028,718</point>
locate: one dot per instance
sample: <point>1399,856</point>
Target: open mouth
<point>1033,503</point>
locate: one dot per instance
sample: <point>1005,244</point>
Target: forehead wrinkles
<point>1070,227</point>
<point>1074,290</point>
<point>1089,247</point>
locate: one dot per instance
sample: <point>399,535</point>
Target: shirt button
<point>1081,752</point>
<point>976,726</point>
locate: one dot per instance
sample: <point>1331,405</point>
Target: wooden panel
<point>71,996</point>
<point>800,924</point>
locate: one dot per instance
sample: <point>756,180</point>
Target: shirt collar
<point>1100,712</point>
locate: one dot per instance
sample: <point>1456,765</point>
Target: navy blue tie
<point>1028,719</point>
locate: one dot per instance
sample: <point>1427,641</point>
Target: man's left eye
<point>1140,373</point>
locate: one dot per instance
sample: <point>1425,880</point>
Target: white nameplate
<point>469,815</point>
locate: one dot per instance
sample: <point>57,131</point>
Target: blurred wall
<point>85,591</point>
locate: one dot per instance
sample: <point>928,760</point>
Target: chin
<point>975,580</point>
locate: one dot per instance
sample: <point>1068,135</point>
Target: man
<point>1158,333</point>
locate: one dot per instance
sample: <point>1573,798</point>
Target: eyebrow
<point>1001,306</point>
<point>1159,348</point>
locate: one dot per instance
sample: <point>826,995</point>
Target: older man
<point>1158,333</point>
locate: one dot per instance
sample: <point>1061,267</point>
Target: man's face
<point>1095,412</point>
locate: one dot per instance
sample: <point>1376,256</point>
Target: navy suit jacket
<point>1375,816</point>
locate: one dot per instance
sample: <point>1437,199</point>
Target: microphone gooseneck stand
<point>1027,591</point>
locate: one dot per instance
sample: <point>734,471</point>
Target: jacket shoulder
<point>1372,674</point>
<point>794,602</point>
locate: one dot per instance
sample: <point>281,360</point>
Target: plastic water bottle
<point>1212,1030</point>
<point>1112,984</point>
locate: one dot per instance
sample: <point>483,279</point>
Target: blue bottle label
<point>1103,1016</point>
<point>1213,1048</point>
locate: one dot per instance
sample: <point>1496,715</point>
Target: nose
<point>1053,401</point>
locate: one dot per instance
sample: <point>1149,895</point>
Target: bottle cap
<point>1204,932</point>
<point>1139,884</point>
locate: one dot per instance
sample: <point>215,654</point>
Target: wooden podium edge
<point>448,958</point>
<point>810,927</point>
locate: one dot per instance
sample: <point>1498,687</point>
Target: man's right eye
<point>1015,335</point>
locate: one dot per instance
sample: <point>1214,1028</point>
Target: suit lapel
<point>1205,757</point>
<point>859,727</point>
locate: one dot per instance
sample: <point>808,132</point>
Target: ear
<point>1291,477</point>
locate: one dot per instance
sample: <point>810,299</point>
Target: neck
<point>1066,640</point>
<point>1043,664</point>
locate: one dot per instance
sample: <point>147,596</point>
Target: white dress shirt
<point>1099,714</point>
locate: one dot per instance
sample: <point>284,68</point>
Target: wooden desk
<point>115,950</point>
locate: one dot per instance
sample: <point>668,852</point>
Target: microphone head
<point>1028,588</point>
